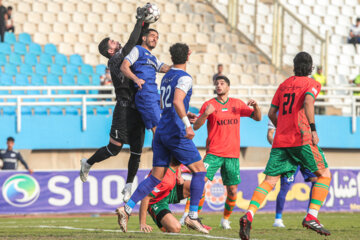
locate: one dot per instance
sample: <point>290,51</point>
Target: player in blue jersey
<point>141,67</point>
<point>287,182</point>
<point>173,138</point>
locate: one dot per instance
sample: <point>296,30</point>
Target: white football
<point>153,13</point>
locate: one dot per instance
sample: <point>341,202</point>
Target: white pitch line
<point>111,230</point>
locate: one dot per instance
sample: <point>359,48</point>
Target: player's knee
<point>113,149</point>
<point>175,228</point>
<point>135,157</point>
<point>232,191</point>
<point>325,173</point>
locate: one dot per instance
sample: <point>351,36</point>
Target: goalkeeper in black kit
<point>127,125</point>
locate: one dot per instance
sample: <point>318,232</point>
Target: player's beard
<point>148,44</point>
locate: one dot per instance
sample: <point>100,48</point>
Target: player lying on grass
<point>287,182</point>
<point>173,138</point>
<point>295,143</point>
<point>172,189</point>
<point>223,143</point>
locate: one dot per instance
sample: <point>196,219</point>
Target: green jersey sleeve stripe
<point>310,94</point>
<point>274,106</point>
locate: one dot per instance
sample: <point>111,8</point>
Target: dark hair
<point>220,65</point>
<point>358,19</point>
<point>175,162</point>
<point>179,53</point>
<point>10,139</point>
<point>146,33</point>
<point>303,64</point>
<point>9,8</point>
<point>104,47</point>
<point>223,78</point>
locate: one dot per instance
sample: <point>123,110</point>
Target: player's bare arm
<point>272,115</point>
<point>192,117</point>
<point>201,120</point>
<point>125,68</point>
<point>165,68</point>
<point>178,102</point>
<point>142,215</point>
<point>310,115</point>
<point>257,111</point>
<point>270,135</point>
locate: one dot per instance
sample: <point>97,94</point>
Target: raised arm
<point>201,120</point>
<point>257,112</point>
<point>135,35</point>
<point>142,215</point>
<point>310,115</point>
<point>179,106</point>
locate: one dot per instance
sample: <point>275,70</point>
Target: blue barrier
<point>64,132</point>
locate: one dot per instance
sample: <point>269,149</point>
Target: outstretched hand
<point>192,117</point>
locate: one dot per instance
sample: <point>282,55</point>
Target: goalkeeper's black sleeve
<point>134,37</point>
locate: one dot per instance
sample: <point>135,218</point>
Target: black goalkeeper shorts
<point>128,128</point>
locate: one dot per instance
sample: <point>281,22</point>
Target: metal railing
<point>339,97</point>
<point>49,94</point>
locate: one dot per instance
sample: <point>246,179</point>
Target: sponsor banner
<point>63,192</point>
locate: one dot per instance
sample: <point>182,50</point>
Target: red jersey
<point>293,128</point>
<point>223,126</point>
<point>163,189</point>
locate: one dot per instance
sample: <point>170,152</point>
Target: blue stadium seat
<point>71,110</point>
<point>62,92</point>
<point>21,80</point>
<point>100,110</point>
<point>31,92</point>
<point>20,48</point>
<point>10,69</point>
<point>76,59</point>
<point>52,80</point>
<point>11,111</point>
<point>26,69</point>
<point>37,80</point>
<point>35,48</point>
<point>30,59</point>
<point>15,59</point>
<point>41,69</point>
<point>95,79</point>
<point>72,69</point>
<point>56,110</point>
<point>26,110</point>
<point>40,110</point>
<point>2,59</point>
<point>50,49</point>
<point>6,80</point>
<point>44,92</point>
<point>87,69</point>
<point>83,80</point>
<point>56,69</point>
<point>5,48</point>
<point>18,92</point>
<point>194,110</point>
<point>61,59</point>
<point>25,38</point>
<point>10,38</point>
<point>68,80</point>
<point>46,59</point>
<point>90,110</point>
<point>100,69</point>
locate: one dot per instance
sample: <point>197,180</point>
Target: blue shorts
<point>181,148</point>
<point>148,104</point>
<point>307,174</point>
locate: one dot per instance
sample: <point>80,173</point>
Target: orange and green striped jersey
<point>293,128</point>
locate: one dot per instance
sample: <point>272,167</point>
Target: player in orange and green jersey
<point>223,143</point>
<point>295,143</point>
<point>171,190</point>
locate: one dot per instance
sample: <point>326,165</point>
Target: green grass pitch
<point>342,226</point>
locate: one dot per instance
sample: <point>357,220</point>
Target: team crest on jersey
<point>13,155</point>
<point>156,190</point>
<point>215,193</point>
<point>315,91</point>
<point>224,109</point>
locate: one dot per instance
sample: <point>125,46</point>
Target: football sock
<point>201,203</point>
<point>229,206</point>
<point>133,167</point>
<point>144,188</point>
<point>104,153</point>
<point>319,193</point>
<point>196,190</point>
<point>280,200</point>
<point>187,206</point>
<point>311,189</point>
<point>259,196</point>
